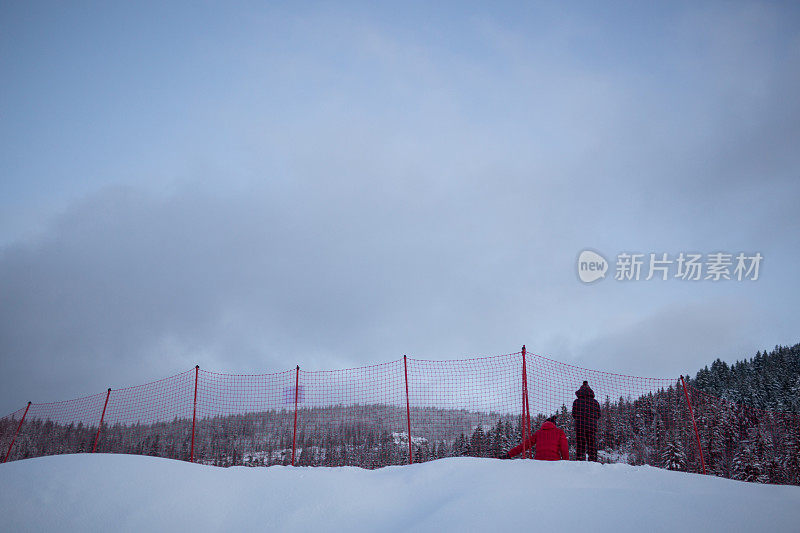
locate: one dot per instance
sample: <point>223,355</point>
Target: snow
<point>402,438</point>
<point>615,456</point>
<point>134,493</point>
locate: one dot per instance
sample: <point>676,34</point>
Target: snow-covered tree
<point>673,457</point>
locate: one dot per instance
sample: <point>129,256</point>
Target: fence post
<point>526,413</point>
<point>696,433</point>
<point>17,432</point>
<point>408,412</point>
<point>194,411</point>
<point>97,436</point>
<point>294,433</point>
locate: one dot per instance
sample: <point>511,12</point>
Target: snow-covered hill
<point>132,493</point>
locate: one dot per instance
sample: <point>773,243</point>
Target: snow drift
<point>135,493</point>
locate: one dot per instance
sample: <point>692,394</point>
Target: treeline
<point>738,440</point>
<point>748,415</point>
<point>768,381</point>
<point>370,436</point>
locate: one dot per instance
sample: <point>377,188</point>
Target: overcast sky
<point>250,188</point>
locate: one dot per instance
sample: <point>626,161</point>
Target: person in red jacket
<point>550,442</point>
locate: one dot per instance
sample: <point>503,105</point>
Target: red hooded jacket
<point>551,444</point>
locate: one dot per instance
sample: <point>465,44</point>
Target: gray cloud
<point>355,190</point>
<point>667,342</point>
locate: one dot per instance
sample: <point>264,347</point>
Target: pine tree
<point>747,465</point>
<point>460,446</point>
<point>791,457</point>
<point>509,436</point>
<point>477,445</point>
<point>673,457</point>
<point>496,440</point>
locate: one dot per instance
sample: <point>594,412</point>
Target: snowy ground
<point>132,493</point>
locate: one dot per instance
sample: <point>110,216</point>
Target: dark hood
<point>585,391</point>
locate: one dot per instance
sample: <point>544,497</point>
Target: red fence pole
<point>97,436</point>
<point>17,432</point>
<point>526,413</point>
<point>294,433</point>
<point>194,412</point>
<point>408,412</point>
<point>696,433</point>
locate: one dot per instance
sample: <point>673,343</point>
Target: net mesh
<point>415,410</point>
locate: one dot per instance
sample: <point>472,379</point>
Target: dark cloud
<point>127,286</point>
<point>675,339</point>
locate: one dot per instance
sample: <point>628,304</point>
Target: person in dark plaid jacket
<point>585,412</point>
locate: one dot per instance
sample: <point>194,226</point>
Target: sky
<point>254,186</point>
